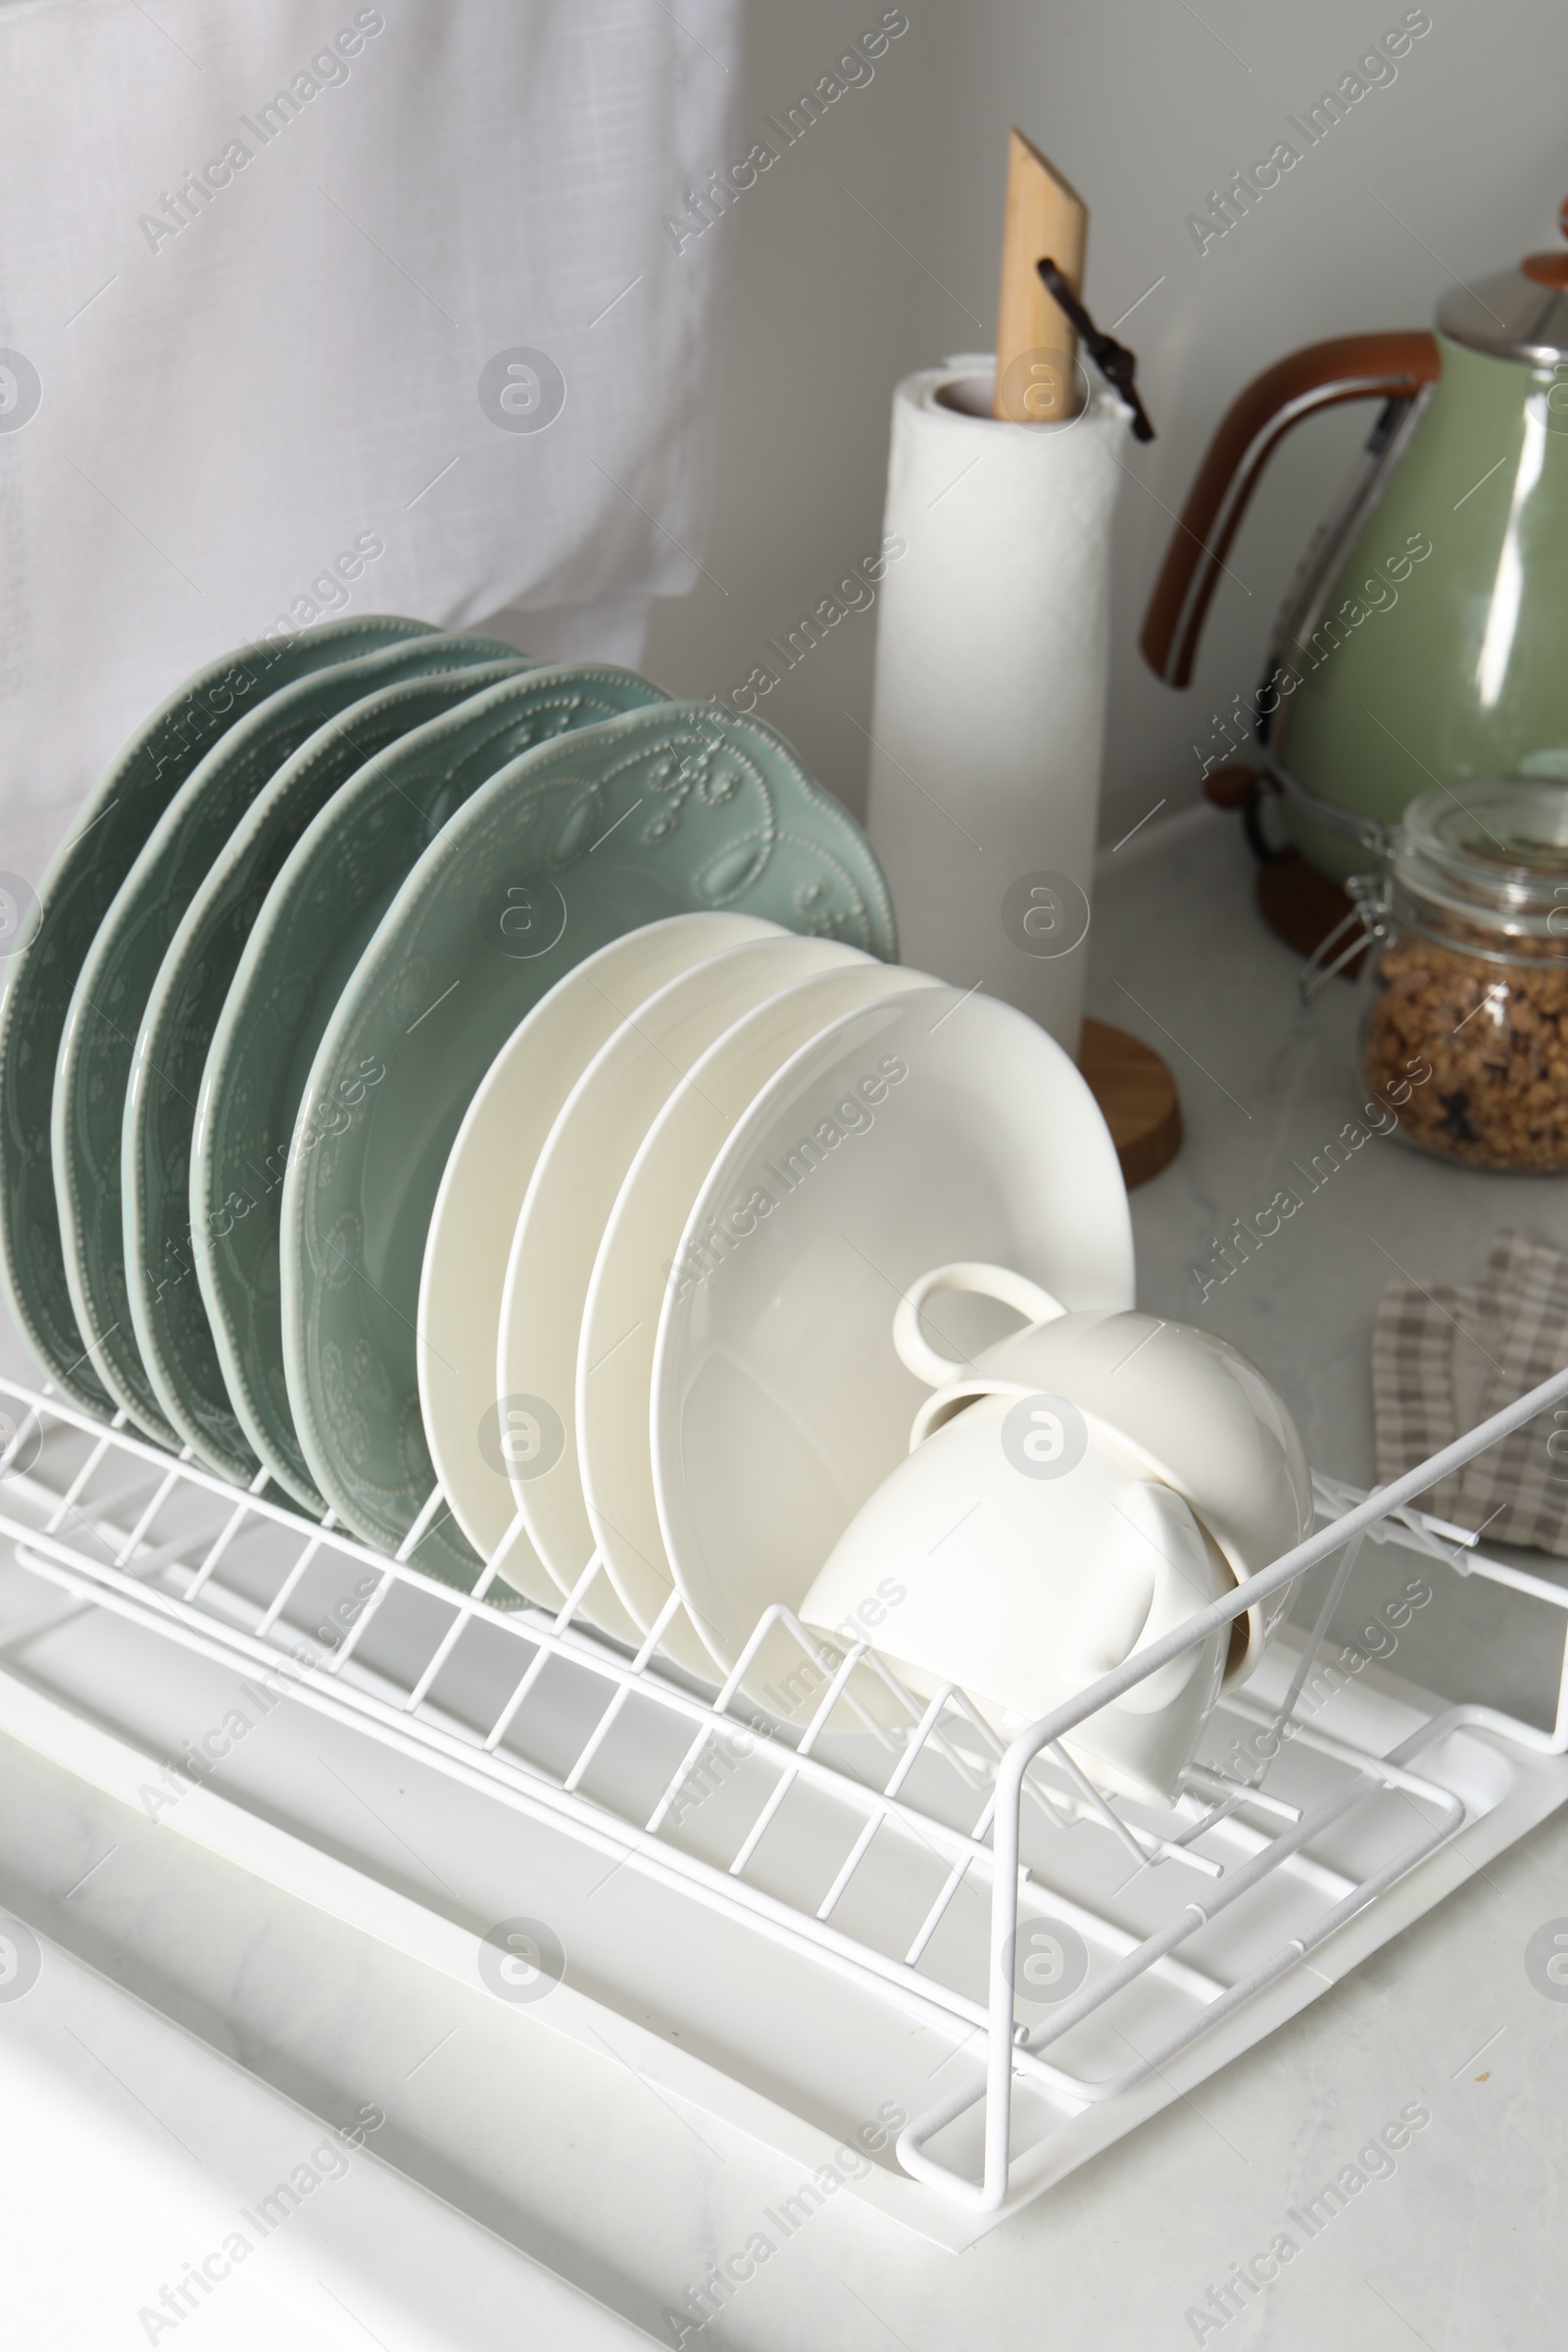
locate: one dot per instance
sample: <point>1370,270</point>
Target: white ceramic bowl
<point>1200,1415</point>
<point>910,1134</point>
<point>486,1175</point>
<point>637,1257</point>
<point>1020,1552</point>
<point>579,1171</point>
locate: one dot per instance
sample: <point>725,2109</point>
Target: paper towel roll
<point>988,719</point>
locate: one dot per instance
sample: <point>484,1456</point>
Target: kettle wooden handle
<point>1391,367</point>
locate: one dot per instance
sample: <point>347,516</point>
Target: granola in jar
<point>1468,975</point>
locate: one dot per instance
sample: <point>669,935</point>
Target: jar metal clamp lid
<point>1489,858</point>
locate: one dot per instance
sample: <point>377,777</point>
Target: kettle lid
<point>1519,315</point>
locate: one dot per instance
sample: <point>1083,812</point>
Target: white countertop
<point>191,2026</point>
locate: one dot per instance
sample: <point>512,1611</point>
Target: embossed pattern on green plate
<point>172,1335</point>
<point>666,810</point>
<point>117,978</point>
<point>314,926</point>
<point>74,898</point>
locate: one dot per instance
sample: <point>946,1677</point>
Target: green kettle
<point>1424,639</point>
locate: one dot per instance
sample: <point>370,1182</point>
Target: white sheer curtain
<point>324,308</point>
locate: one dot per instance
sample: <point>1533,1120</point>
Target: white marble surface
<point>152,2187</point>
<point>1180,956</point>
<point>571,2159</point>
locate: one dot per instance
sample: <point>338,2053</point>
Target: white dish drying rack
<point>838,1891</point>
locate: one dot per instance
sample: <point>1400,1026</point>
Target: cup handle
<point>1013,1289</point>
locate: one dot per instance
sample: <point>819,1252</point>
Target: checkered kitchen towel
<point>1446,1357</point>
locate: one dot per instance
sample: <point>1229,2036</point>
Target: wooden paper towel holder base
<point>1137,1093</point>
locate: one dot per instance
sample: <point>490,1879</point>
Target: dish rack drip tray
<point>837,1915</point>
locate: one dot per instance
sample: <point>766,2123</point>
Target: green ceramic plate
<point>74,898</point>
<point>117,976</point>
<point>671,810</point>
<point>172,1335</point>
<point>314,926</point>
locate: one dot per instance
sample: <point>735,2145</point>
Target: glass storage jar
<point>1464,1015</point>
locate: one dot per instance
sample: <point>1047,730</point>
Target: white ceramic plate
<point>914,1133</point>
<point>561,1223</point>
<point>639,1253</point>
<point>677,809</point>
<point>486,1176</point>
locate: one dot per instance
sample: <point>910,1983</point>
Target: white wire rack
<point>825,1752</point>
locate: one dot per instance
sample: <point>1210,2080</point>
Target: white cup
<point>1196,1412</point>
<point>1020,1551</point>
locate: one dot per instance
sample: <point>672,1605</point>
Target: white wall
<point>1146,108</point>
